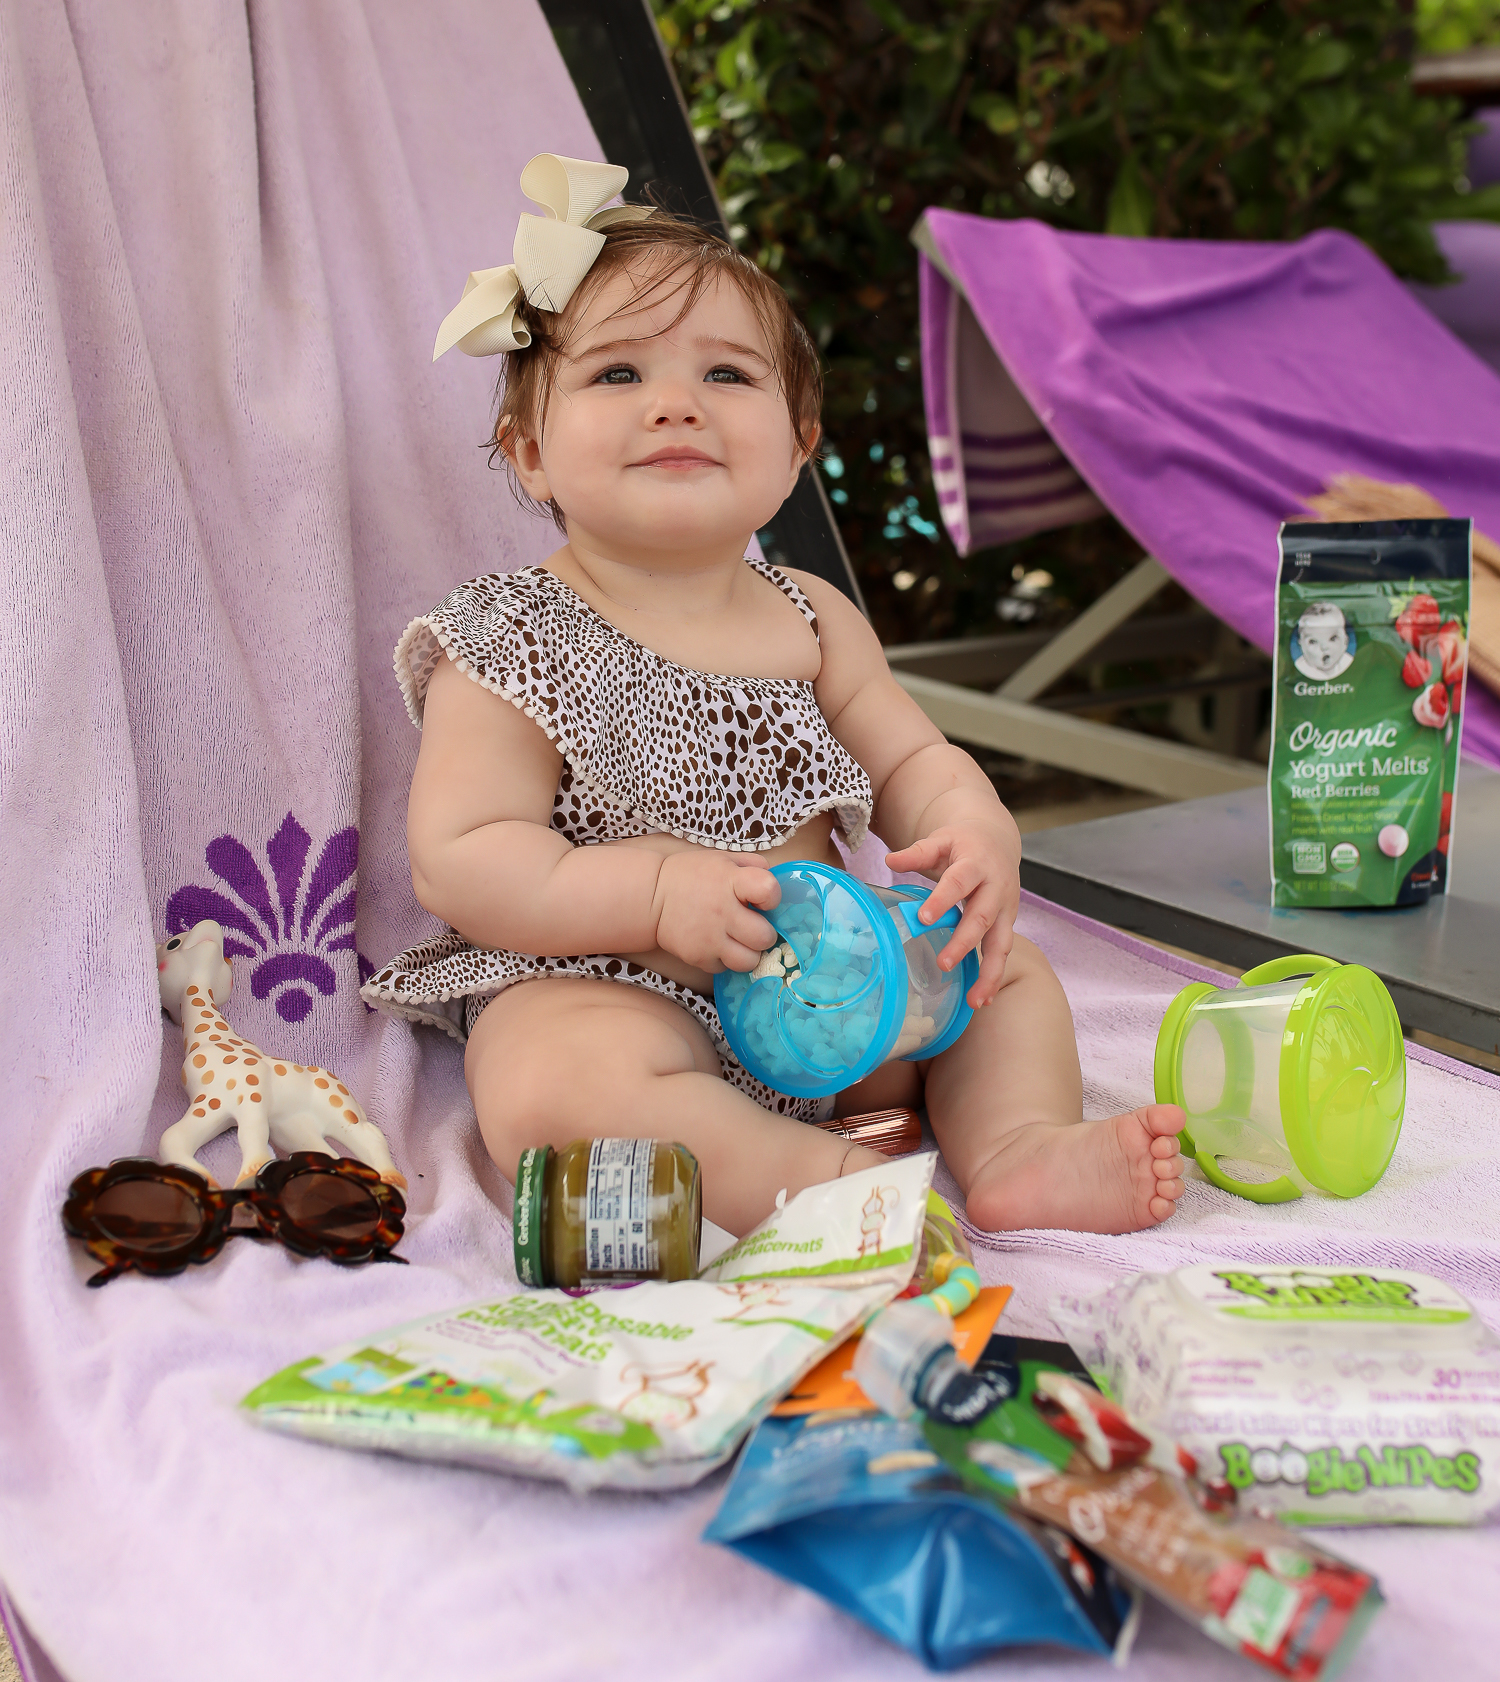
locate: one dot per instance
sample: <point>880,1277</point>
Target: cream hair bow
<point>551,255</point>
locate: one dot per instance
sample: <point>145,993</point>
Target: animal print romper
<point>649,748</point>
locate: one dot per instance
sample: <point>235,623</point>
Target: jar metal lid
<point>526,1223</point>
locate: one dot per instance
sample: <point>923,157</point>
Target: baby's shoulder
<point>508,631</point>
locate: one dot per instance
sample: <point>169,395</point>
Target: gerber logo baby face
<point>1322,645</point>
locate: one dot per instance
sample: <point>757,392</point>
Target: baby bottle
<point>852,981</point>
<point>1300,1069</point>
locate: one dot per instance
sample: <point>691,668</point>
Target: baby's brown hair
<point>680,258</point>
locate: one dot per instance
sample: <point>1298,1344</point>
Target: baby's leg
<point>564,1058</point>
<point>1006,1104</point>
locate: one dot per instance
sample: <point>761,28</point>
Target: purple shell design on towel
<point>290,928</point>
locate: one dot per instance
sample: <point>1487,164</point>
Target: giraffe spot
<point>191,991</point>
<point>254,1097</point>
<point>214,1039</point>
<point>230,1084</point>
<point>334,1099</point>
<point>231,1059</point>
<point>250,1062</point>
<point>280,1068</point>
<point>199,1061</point>
<point>200,1112</point>
<point>252,1080</point>
<point>349,1115</point>
<point>342,1088</point>
<point>323,1084</point>
<point>213,1103</point>
<point>208,1075</point>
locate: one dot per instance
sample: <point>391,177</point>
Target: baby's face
<point>1325,641</point>
<point>664,437</point>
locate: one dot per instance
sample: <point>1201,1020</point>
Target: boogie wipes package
<point>1372,623</point>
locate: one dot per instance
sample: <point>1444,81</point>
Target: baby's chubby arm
<point>932,802</point>
<point>485,860</point>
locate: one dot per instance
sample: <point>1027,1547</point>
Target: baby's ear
<point>804,452</point>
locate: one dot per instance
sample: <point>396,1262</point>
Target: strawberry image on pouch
<point>1416,671</point>
<point>1431,707</point>
<point>1418,620</point>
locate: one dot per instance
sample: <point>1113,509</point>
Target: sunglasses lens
<point>148,1215</point>
<point>330,1206</point>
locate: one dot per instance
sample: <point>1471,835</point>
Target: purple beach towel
<point>1198,390</point>
<point>232,475</point>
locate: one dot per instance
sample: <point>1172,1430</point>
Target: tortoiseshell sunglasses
<point>158,1218</point>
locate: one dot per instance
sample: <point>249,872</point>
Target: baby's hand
<point>973,861</point>
<point>703,908</point>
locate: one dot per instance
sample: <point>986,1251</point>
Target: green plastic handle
<point>1283,969</point>
<point>1282,1190</point>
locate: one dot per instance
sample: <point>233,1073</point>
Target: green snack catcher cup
<point>1301,1068</point>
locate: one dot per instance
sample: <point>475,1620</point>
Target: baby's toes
<point>1164,1122</point>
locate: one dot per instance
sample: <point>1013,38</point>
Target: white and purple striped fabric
<point>999,474</point>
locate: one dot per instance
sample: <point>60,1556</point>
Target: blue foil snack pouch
<point>859,1508</point>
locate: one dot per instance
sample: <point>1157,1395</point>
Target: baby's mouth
<point>678,459</point>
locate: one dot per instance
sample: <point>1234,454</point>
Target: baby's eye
<point>621,375</point>
<point>725,376</point>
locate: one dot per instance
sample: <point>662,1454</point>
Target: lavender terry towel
<point>231,474</point>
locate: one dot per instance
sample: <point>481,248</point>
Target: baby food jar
<point>1300,1069</point>
<point>852,981</point>
<point>603,1211</point>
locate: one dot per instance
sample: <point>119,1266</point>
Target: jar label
<point>618,1234</point>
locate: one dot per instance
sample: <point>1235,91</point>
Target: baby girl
<point>617,744</point>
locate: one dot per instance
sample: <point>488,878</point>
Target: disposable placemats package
<point>861,1509</point>
<point>1323,1396</point>
<point>648,1386</point>
<point>1372,625</point>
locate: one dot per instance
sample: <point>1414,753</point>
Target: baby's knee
<point>1025,959</point>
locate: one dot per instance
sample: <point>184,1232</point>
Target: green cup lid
<point>1343,1080</point>
<point>526,1221</point>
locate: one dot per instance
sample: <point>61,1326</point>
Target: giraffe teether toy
<point>233,1083</point>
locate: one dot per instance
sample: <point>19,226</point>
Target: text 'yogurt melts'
<point>1324,1396</point>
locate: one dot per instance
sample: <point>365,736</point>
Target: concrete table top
<point>1197,875</point>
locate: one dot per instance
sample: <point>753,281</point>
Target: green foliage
<point>1448,26</point>
<point>832,124</point>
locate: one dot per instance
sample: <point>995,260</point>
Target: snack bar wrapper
<point>1058,1452</point>
<point>649,1386</point>
<point>1252,1585</point>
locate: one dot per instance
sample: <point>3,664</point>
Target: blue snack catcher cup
<point>852,982</point>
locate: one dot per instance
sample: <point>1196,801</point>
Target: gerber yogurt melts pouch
<point>1372,624</point>
<point>1321,1395</point>
<point>647,1386</point>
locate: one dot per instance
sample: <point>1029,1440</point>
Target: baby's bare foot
<point>1117,1175</point>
